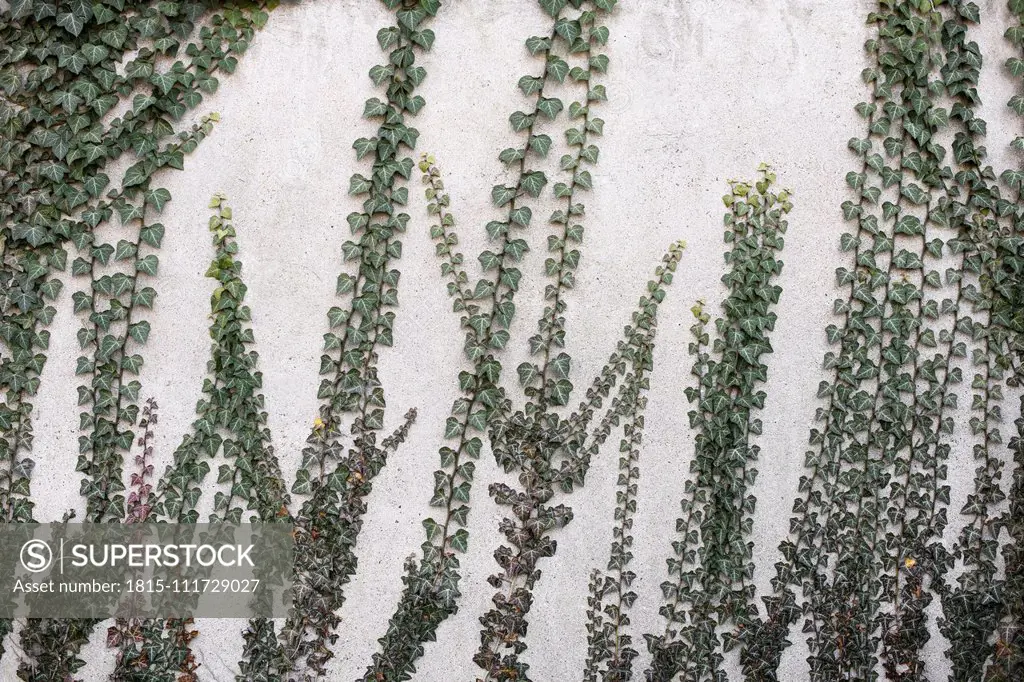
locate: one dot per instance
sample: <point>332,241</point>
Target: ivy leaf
<point>970,12</point>
<point>937,117</point>
<point>152,235</point>
<point>540,144</point>
<point>517,248</point>
<point>23,299</point>
<point>124,250</point>
<point>158,198</point>
<point>424,38</point>
<point>550,107</point>
<point>302,485</point>
<point>346,283</point>
<point>139,331</point>
<point>531,85</point>
<point>164,81</point>
<point>135,175</point>
<point>460,539</point>
<point>489,260</point>
<point>337,479</point>
<point>35,235</point>
<point>374,108</point>
<point>94,184</point>
<point>364,146</point>
<point>528,372</point>
<point>561,391</point>
<point>71,22</point>
<point>357,185</point>
<point>499,339</point>
<point>386,37</point>
<point>1017,104</point>
<point>557,68</point>
<point>915,194</point>
<point>510,155</point>
<point>553,7</point>
<point>520,121</point>
<point>52,170</point>
<point>50,289</point>
<point>537,44</point>
<point>108,345</point>
<point>502,195</point>
<point>337,317</point>
<point>148,265</point>
<point>560,366</point>
<point>21,8</point>
<point>478,421</point>
<point>533,182</point>
<point>521,216</point>
<point>145,297</point>
<point>381,73</point>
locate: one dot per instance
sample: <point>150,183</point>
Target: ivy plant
<point>709,590</point>
<point>230,424</point>
<point>874,506</point>
<point>487,308</point>
<point>334,480</point>
<point>1005,289</point>
<point>67,112</point>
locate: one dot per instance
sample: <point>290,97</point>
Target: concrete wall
<point>700,92</point>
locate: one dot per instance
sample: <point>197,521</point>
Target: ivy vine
<point>709,587</point>
<point>934,288</point>
<point>336,481</point>
<point>488,308</point>
<point>67,112</point>
<point>1005,286</point>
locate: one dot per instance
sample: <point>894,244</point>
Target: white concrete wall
<point>700,92</point>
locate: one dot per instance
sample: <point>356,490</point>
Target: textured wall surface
<point>699,92</point>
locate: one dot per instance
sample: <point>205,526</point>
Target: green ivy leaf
<point>145,297</point>
<point>537,45</point>
<point>502,195</point>
<point>557,68</point>
<point>560,366</point>
<point>460,539</point>
<point>139,332</point>
<point>124,250</point>
<point>35,235</point>
<point>528,373</point>
<point>521,216</point>
<point>561,391</point>
<point>164,81</point>
<point>374,108</point>
<point>95,184</point>
<point>158,198</point>
<point>533,182</point>
<point>135,175</point>
<point>152,235</point>
<point>530,85</point>
<point>540,144</point>
<point>50,289</point>
<point>550,107</point>
<point>553,7</point>
<point>71,22</point>
<point>148,265</point>
<point>302,485</point>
